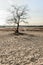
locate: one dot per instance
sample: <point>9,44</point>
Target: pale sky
<point>35,6</point>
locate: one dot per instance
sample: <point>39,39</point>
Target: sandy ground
<point>25,49</point>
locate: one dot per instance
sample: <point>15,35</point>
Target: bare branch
<point>19,14</point>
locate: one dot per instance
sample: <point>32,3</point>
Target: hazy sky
<point>35,6</point>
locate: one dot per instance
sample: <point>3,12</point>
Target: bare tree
<point>18,14</point>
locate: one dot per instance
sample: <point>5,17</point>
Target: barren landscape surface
<point>23,49</point>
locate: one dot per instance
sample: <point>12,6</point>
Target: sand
<point>23,49</point>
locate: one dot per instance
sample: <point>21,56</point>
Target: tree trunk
<point>17,30</point>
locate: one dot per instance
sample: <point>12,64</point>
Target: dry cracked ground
<point>23,49</point>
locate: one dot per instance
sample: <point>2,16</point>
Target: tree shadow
<point>18,34</point>
<point>22,34</point>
